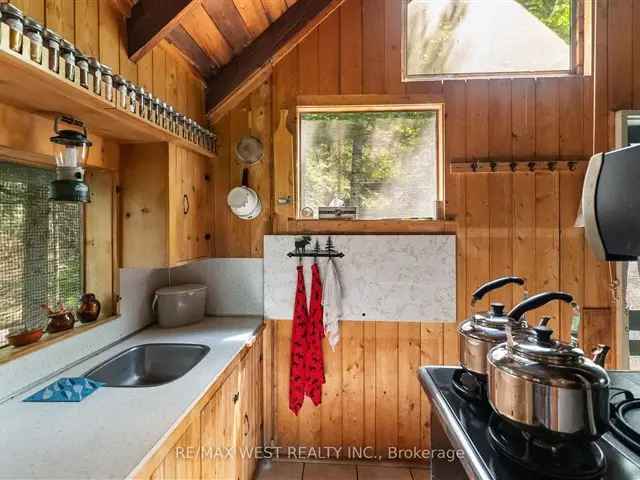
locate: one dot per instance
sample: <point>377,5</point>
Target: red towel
<point>297,374</point>
<point>315,334</point>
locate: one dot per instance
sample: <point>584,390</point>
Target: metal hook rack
<point>301,251</point>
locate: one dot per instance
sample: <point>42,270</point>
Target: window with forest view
<point>41,248</point>
<point>487,37</point>
<point>384,163</point>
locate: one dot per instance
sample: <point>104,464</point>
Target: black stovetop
<point>622,462</point>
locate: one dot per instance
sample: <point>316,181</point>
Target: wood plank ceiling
<point>213,32</point>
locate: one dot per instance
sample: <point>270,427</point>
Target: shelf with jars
<point>43,73</point>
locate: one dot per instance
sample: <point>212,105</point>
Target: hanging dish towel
<point>332,303</point>
<point>297,373</point>
<point>315,334</point>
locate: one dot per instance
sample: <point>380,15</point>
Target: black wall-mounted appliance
<point>611,204</point>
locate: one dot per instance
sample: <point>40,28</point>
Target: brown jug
<point>89,309</point>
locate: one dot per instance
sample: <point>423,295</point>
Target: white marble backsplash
<point>385,277</point>
<point>234,285</point>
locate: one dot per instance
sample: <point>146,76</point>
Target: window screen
<point>487,37</point>
<point>383,163</point>
<point>40,249</point>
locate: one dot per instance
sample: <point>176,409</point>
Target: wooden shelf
<point>34,88</point>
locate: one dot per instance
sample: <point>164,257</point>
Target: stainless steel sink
<point>148,365</point>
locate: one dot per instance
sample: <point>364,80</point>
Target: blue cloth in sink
<point>66,390</point>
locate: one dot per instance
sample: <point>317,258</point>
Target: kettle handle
<point>537,301</point>
<point>154,304</point>
<point>493,285</point>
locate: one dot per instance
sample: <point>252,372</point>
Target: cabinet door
<point>183,460</point>
<point>179,205</point>
<point>218,421</point>
<point>250,422</point>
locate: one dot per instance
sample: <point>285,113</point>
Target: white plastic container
<point>180,305</point>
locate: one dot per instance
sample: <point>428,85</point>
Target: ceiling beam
<point>151,21</point>
<point>254,63</point>
<point>181,39</point>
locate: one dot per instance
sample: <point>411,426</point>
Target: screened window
<point>487,37</point>
<point>383,162</point>
<point>40,249</point>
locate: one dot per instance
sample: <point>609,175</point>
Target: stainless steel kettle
<point>548,387</point>
<point>483,331</point>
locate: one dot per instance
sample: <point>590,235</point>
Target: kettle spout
<point>599,354</point>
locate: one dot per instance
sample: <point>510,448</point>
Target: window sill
<point>9,353</point>
<point>392,226</point>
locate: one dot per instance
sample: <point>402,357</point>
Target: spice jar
<point>69,55</point>
<point>120,83</point>
<point>14,18</point>
<point>95,69</point>
<point>82,62</point>
<point>162,114</point>
<point>52,43</point>
<point>133,98</point>
<point>148,100</point>
<point>180,125</point>
<point>33,30</point>
<point>188,129</point>
<point>107,79</point>
<point>171,119</point>
<point>155,110</point>
<point>141,96</point>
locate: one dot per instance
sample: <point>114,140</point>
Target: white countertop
<point>110,433</point>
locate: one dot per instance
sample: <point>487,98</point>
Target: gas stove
<point>496,450</point>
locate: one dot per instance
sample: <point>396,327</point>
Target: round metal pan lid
<point>181,289</point>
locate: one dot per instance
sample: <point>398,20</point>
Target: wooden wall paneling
<point>409,360</point>
<point>33,8</point>
<point>369,380</point>
<point>547,196</point>
<point>268,383</point>
<point>570,99</point>
<point>262,173</point>
<point>329,55</point>
<point>477,200</point>
<point>308,67</point>
<point>432,352</point>
<point>373,46</point>
<point>353,377</point>
<point>128,69</point>
<point>455,95</point>
<point>109,35</point>
<point>286,423</point>
<point>171,80</point>
<point>87,26</point>
<point>393,47</point>
<point>181,88</point>
<point>500,189</point>
<point>597,330</point>
<point>636,56</point>
<point>386,387</point>
<point>238,230</point>
<point>351,47</point>
<point>60,16</point>
<point>331,411</point>
<point>159,87</point>
<point>145,72</point>
<point>601,80</point>
<point>221,184</point>
<point>620,54</point>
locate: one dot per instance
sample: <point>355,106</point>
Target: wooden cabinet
<point>166,195</point>
<point>231,422</point>
<point>218,438</point>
